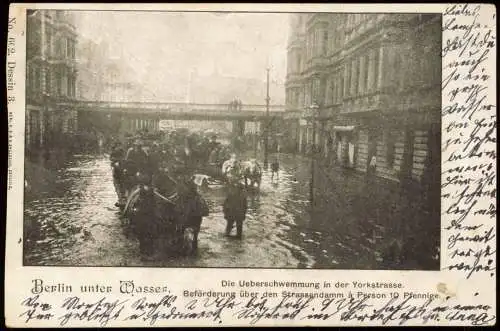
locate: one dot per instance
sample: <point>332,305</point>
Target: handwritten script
<point>469,131</point>
<point>158,310</point>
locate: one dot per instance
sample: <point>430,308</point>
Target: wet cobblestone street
<point>70,219</point>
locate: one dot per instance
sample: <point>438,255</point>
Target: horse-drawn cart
<point>163,213</point>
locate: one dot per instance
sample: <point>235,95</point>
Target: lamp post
<point>266,134</point>
<point>255,137</point>
<point>311,116</point>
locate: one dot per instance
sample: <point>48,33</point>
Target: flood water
<point>70,220</point>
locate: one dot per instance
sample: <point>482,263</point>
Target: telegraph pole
<point>313,164</point>
<point>255,138</point>
<point>266,133</point>
<point>313,112</point>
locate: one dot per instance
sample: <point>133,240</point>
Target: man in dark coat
<point>235,208</point>
<point>191,208</point>
<point>137,159</point>
<point>155,155</point>
<point>116,157</point>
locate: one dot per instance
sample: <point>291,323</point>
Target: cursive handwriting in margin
<point>394,310</point>
<point>469,150</point>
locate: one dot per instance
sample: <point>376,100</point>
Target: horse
<point>249,171</point>
<point>252,172</point>
<point>142,212</point>
<point>174,218</point>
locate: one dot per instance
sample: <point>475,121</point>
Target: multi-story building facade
<point>377,81</point>
<point>50,77</point>
<point>91,59</point>
<point>102,77</point>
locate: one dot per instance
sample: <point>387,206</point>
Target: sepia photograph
<point>178,139</point>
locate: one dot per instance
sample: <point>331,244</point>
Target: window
<point>73,86</point>
<point>390,149</point>
<point>324,51</point>
<point>397,68</point>
<point>361,77</point>
<point>71,125</point>
<point>59,83</point>
<point>341,89</point>
<point>59,48</point>
<point>72,49</point>
<point>308,46</point>
<point>37,79</point>
<point>366,70</point>
<point>68,48</point>
<point>33,37</point>
<point>30,75</point>
<point>48,41</point>
<point>67,86</point>
<point>347,74</point>
<point>48,82</point>
<point>315,90</point>
<point>333,87</point>
<point>354,77</point>
<point>316,43</point>
<point>307,93</point>
<point>376,65</point>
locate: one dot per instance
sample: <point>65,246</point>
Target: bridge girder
<point>198,115</point>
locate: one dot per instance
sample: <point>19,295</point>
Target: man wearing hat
<point>235,207</point>
<point>137,159</point>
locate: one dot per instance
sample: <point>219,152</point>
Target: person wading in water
<point>235,207</point>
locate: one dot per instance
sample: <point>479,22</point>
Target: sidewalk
<point>394,224</point>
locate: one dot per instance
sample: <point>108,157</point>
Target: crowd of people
<point>168,162</point>
<point>152,154</point>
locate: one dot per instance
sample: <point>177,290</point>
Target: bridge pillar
<point>130,122</point>
<point>127,124</point>
<point>238,128</point>
<point>155,125</point>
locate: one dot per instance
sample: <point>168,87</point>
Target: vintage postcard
<point>251,165</point>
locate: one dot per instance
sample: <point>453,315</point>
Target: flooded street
<point>70,219</point>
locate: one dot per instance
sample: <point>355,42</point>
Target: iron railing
<point>171,106</point>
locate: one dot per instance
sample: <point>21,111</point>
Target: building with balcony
<point>50,77</point>
<point>377,81</point>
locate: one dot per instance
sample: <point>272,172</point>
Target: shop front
<point>344,142</point>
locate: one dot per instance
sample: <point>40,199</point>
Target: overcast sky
<point>164,46</point>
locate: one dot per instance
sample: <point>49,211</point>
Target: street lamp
<point>310,115</point>
<point>255,137</point>
<point>266,136</point>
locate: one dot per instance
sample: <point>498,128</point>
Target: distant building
<point>220,89</point>
<point>50,77</point>
<point>91,60</point>
<point>105,78</point>
<point>377,81</point>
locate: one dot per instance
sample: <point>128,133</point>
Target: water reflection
<point>70,219</point>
